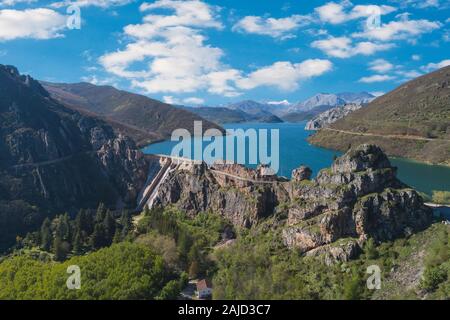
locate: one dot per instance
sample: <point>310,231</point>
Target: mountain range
<point>271,112</point>
<point>142,118</point>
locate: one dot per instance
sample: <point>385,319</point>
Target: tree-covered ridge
<point>258,266</point>
<point>157,256</point>
<point>152,260</point>
<point>122,271</point>
<point>89,230</point>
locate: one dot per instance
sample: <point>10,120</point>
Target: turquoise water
<point>295,151</point>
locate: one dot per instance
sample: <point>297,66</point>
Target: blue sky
<point>214,52</point>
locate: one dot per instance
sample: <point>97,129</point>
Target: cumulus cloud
<point>189,101</point>
<point>194,101</point>
<point>380,65</point>
<point>12,3</point>
<point>91,3</point>
<point>422,4</point>
<point>410,74</point>
<point>285,75</point>
<point>399,30</point>
<point>342,47</point>
<point>40,23</point>
<point>337,13</point>
<point>169,53</point>
<point>277,28</point>
<point>434,66</point>
<point>172,50</point>
<point>376,78</point>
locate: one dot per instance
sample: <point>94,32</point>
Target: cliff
<point>330,116</point>
<point>56,160</point>
<point>358,198</point>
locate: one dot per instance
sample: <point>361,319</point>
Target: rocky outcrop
<point>358,198</point>
<point>302,173</point>
<point>56,160</point>
<point>243,200</point>
<point>331,116</point>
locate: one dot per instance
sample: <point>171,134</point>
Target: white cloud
<point>188,101</point>
<point>342,47</point>
<point>337,13</point>
<point>279,103</point>
<point>285,75</point>
<point>332,12</point>
<point>11,3</point>
<point>422,4</point>
<point>169,53</point>
<point>407,75</point>
<point>380,65</point>
<point>172,51</point>
<point>194,101</point>
<point>91,3</point>
<point>377,93</point>
<point>93,79</point>
<point>376,78</point>
<point>40,23</point>
<point>399,30</point>
<point>171,100</point>
<point>416,57</point>
<point>277,28</point>
<point>434,66</point>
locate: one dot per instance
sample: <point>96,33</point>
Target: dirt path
<point>393,136</point>
<point>48,162</point>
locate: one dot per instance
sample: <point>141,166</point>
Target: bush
<point>432,277</point>
<point>441,197</point>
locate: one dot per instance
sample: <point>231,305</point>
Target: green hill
<point>412,121</point>
<point>140,117</point>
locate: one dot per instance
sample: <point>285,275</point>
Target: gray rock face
<point>328,117</point>
<point>199,189</point>
<point>302,173</point>
<point>357,198</point>
<point>54,159</point>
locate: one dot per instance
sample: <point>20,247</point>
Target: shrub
<point>441,197</point>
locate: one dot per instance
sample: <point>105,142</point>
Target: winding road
<point>49,162</point>
<point>393,136</point>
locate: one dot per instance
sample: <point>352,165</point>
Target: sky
<point>217,52</point>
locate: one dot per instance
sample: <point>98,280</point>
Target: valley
<point>76,189</point>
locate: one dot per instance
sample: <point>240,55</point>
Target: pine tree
<point>100,214</point>
<point>98,237</point>
<point>126,223</point>
<point>77,244</point>
<point>117,236</point>
<point>59,250</point>
<point>82,225</point>
<point>46,235</point>
<point>110,227</point>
